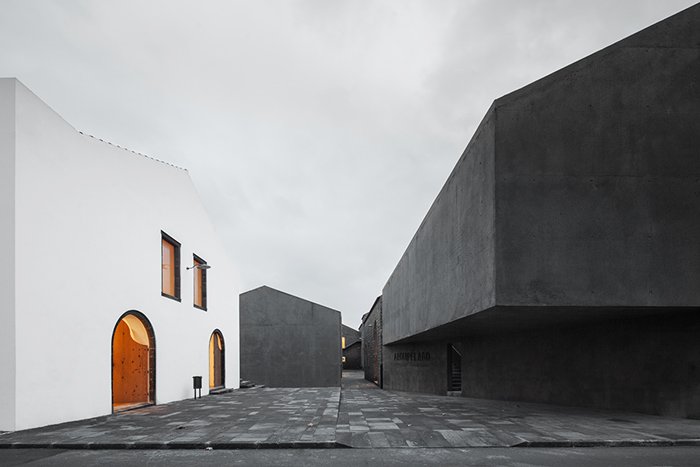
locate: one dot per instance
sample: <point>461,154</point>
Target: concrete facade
<point>372,348</point>
<point>81,225</point>
<point>350,335</point>
<point>287,341</point>
<point>352,359</point>
<point>561,257</point>
<point>353,356</point>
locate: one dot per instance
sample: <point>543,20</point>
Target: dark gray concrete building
<point>351,348</point>
<point>352,356</point>
<point>287,341</point>
<point>371,331</point>
<point>560,263</point>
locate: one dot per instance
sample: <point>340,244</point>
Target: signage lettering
<point>411,356</point>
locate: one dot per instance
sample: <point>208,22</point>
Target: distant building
<point>351,349</point>
<point>560,262</point>
<point>101,308</point>
<point>287,341</point>
<point>371,332</point>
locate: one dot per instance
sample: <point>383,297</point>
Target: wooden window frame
<point>167,238</point>
<point>203,273</point>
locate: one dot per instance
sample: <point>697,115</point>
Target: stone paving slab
<point>242,419</point>
<point>421,420</point>
<point>358,416</point>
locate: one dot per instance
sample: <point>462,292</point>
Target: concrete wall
<point>352,359</point>
<point>597,176</point>
<point>7,252</point>
<point>561,256</point>
<point>351,335</point>
<point>352,356</point>
<point>447,270</point>
<point>419,367</point>
<point>646,363</point>
<point>89,217</point>
<point>287,341</point>
<point>372,343</point>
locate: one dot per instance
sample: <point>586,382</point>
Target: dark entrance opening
<point>454,370</point>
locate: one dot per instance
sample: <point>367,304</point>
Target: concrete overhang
<point>513,319</point>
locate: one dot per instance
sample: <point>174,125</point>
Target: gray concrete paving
<point>685,456</point>
<point>358,416</point>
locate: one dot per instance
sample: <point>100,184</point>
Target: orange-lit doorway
<point>216,360</point>
<point>133,363</point>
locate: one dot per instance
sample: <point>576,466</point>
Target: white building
<point>98,311</point>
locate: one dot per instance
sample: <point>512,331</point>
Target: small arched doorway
<point>216,360</point>
<point>133,362</point>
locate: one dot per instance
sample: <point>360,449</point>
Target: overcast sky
<point>317,132</point>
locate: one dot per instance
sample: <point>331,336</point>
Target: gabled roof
<point>263,288</point>
<point>132,151</point>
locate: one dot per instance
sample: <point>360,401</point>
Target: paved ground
<point>647,456</point>
<point>359,416</point>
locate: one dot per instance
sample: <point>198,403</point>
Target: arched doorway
<point>133,362</point>
<point>216,360</point>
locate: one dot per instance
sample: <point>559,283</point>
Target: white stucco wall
<point>7,253</point>
<point>89,217</point>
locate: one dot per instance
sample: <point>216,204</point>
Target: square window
<point>200,284</point>
<point>170,263</point>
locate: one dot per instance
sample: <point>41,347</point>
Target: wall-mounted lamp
<point>199,266</point>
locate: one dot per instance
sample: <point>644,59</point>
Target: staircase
<point>455,382</point>
<point>456,375</point>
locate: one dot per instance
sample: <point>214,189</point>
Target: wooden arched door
<point>133,362</point>
<point>216,360</point>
